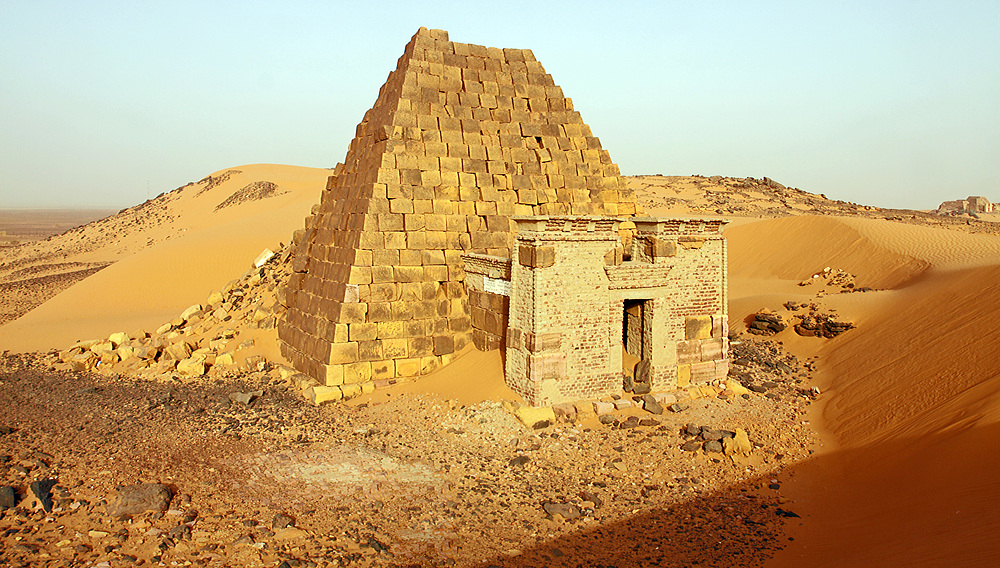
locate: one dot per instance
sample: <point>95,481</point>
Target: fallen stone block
<point>602,408</point>
<point>191,367</point>
<point>622,404</point>
<point>531,416</point>
<point>318,394</point>
<point>664,398</point>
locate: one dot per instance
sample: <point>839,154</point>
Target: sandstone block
<point>341,353</point>
<point>351,390</point>
<point>320,394</point>
<point>698,327</point>
<point>683,375</point>
<point>191,367</point>
<point>357,372</point>
<point>332,375</point>
<point>409,367</point>
<point>535,417</point>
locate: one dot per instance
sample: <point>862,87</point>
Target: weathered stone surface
<point>137,499</point>
<point>568,511</point>
<point>8,498</point>
<point>38,495</point>
<point>191,367</point>
<point>531,416</point>
<point>738,445</point>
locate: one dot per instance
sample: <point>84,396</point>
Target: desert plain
<point>872,446</point>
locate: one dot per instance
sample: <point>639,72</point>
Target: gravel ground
<point>416,481</point>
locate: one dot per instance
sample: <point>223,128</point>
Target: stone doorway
<point>636,343</point>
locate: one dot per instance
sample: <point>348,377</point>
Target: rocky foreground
<point>238,470</point>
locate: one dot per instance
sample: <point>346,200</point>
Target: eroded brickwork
<point>461,138</point>
<point>575,302</point>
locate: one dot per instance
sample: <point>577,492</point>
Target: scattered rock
<point>136,499</point>
<point>568,511</point>
<point>766,322</point>
<point>246,397</point>
<point>39,496</point>
<point>281,521</point>
<point>8,498</point>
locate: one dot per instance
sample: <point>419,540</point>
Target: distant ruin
<point>473,197</point>
<point>971,204</point>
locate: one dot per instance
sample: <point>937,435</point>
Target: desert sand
<point>891,465</point>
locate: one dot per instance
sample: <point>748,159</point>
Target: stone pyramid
<point>461,138</point>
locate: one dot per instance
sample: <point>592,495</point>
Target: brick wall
<point>569,287</point>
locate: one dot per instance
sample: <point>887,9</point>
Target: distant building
<point>971,204</point>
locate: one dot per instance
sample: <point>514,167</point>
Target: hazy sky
<point>894,104</point>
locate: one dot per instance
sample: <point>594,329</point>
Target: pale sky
<point>896,104</point>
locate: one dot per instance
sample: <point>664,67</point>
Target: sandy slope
<point>171,261</point>
<point>908,475</point>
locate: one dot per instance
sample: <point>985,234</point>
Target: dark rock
<point>642,369</point>
<point>606,418</point>
<point>247,539</point>
<point>650,421</point>
<point>136,499</point>
<point>541,425</point>
<point>757,388</point>
<point>568,511</point>
<point>281,521</point>
<point>769,384</point>
<point>588,496</point>
<point>710,435</point>
<point>691,446</point>
<point>714,446</point>
<point>782,366</point>
<point>692,430</point>
<point>678,407</point>
<point>179,532</point>
<point>39,494</point>
<point>4,430</point>
<point>650,405</point>
<point>641,388</point>
<point>786,514</point>
<point>774,486</point>
<point>8,498</point>
<point>519,461</point>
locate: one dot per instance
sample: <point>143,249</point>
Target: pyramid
<point>461,138</point>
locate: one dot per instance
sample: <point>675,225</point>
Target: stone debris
<point>821,324</point>
<point>413,480</point>
<point>205,338</point>
<point>766,322</point>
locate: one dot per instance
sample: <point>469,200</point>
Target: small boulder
<point>568,511</point>
<point>136,499</point>
<point>8,498</point>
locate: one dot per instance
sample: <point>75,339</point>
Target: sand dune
<point>912,403</point>
<point>170,262</point>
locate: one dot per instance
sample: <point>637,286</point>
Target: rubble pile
<point>821,324</point>
<point>204,339</point>
<point>766,322</point>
